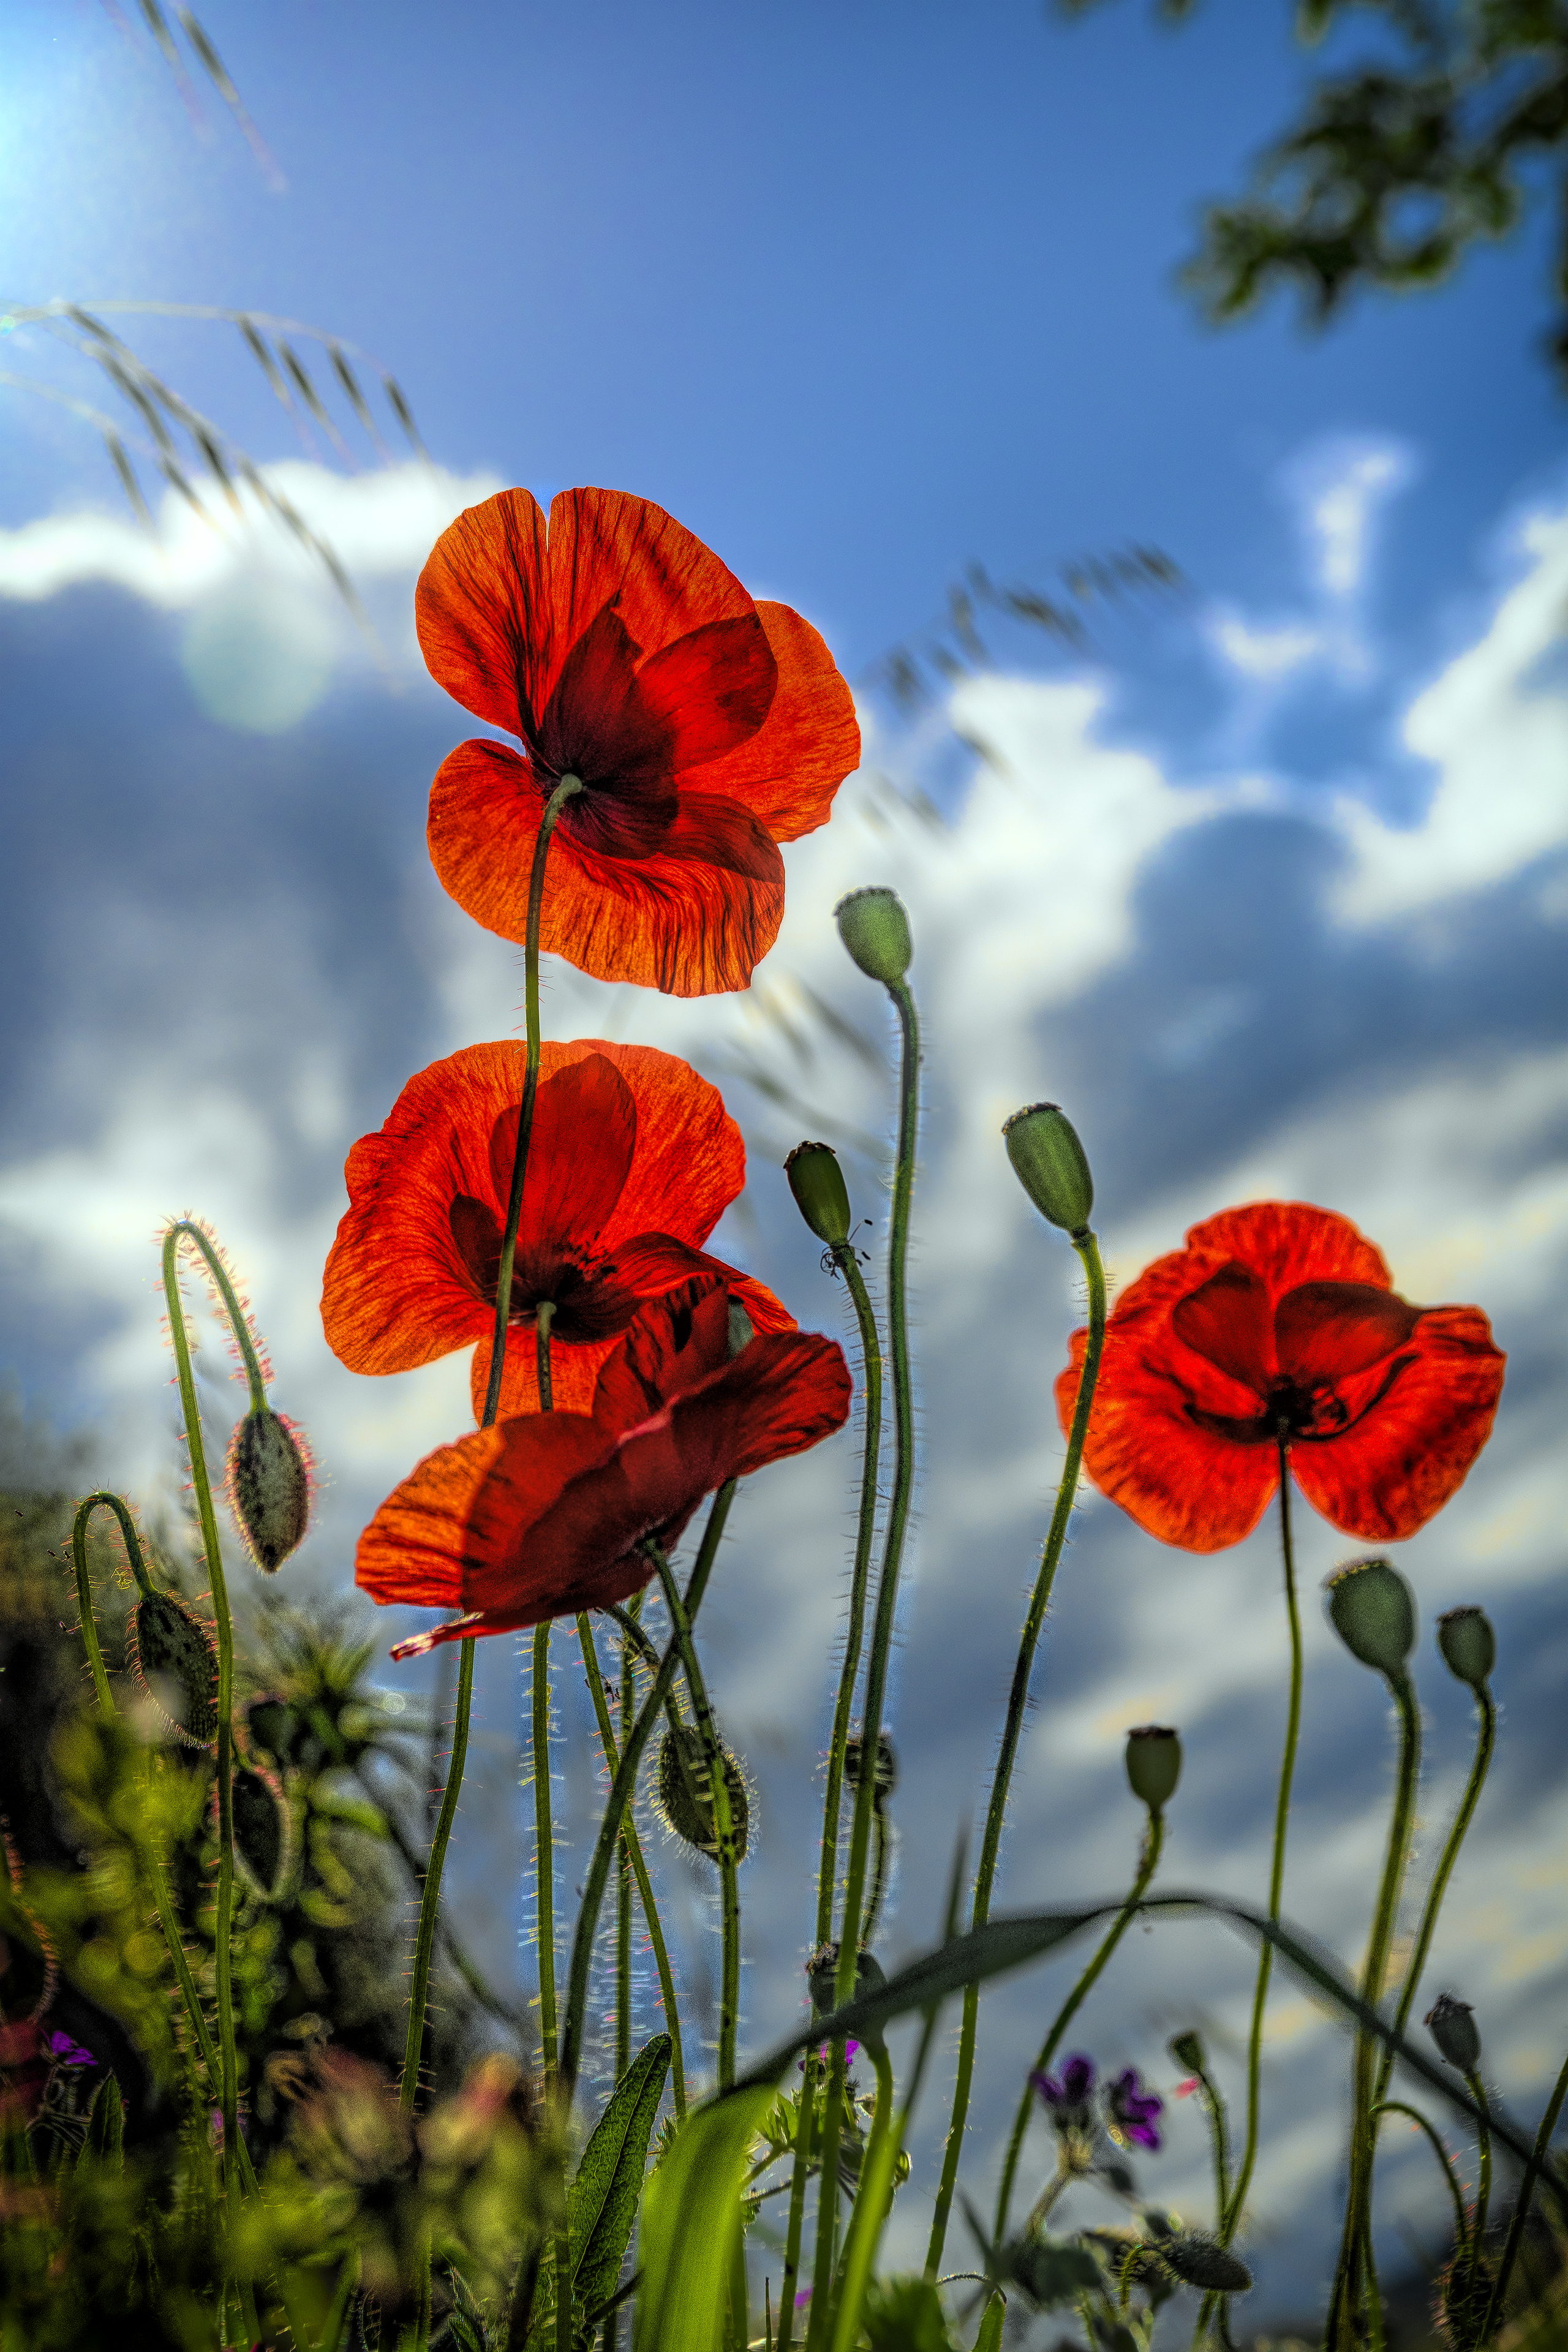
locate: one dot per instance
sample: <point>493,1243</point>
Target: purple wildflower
<point>66,2052</point>
<point>1067,2098</point>
<point>1132,2114</point>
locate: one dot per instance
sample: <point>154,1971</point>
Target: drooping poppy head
<point>706,728</point>
<point>546,1515</point>
<point>1278,1323</point>
<point>632,1161</point>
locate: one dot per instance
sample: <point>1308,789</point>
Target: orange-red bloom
<point>1280,1321</point>
<point>632,1162</point>
<point>545,1515</point>
<point>706,727</point>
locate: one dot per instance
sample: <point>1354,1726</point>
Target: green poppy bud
<point>822,1975</point>
<point>1452,2025</point>
<point>269,1486</point>
<point>1373,1613</point>
<point>686,1795</point>
<point>1153,1764</point>
<point>1048,1161</point>
<point>1187,2050</point>
<point>169,1644</point>
<point>875,929</point>
<point>1469,1645</point>
<point>887,1773</point>
<point>817,1183</point>
<point>261,1825</point>
<point>1203,2261</point>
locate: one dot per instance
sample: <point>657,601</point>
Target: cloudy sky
<point>1267,882</point>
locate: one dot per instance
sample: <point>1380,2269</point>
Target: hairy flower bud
<point>1203,2261</point>
<point>169,1643</point>
<point>822,1974</point>
<point>1464,2300</point>
<point>885,1778</point>
<point>269,1486</point>
<point>686,1794</point>
<point>1187,2050</point>
<point>1048,1161</point>
<point>1452,2025</point>
<point>1469,1645</point>
<point>875,929</point>
<point>1153,1764</point>
<point>261,1825</point>
<point>1373,1613</point>
<point>820,1195</point>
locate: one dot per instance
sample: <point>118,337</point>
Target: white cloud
<point>1494,726</point>
<point>1340,488</point>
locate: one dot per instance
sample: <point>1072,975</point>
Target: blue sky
<point>1268,885</point>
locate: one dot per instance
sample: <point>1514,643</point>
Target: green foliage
<point>905,2315</point>
<point>691,2214</point>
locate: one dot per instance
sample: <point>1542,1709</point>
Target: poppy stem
<point>543,1849</point>
<point>1149,1862</point>
<point>1522,2207</point>
<point>430,1895</point>
<point>1232,2218</point>
<point>1414,2114</point>
<point>554,806</point>
<point>1088,1249</point>
<point>623,1908</point>
<point>622,1790</point>
<point>723,1829</point>
<point>184,1230</point>
<point>543,1317</point>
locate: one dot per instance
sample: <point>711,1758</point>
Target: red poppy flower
<point>1280,1320</point>
<point>632,1162</point>
<point>545,1515</point>
<point>706,727</point>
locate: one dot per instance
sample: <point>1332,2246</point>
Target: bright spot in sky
<point>257,657</point>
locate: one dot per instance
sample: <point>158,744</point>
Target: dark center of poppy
<point>1296,1354</point>
<point>589,1305</point>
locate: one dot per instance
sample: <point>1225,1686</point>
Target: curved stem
<point>202,1486</point>
<point>1477,2089</point>
<point>1215,2106</point>
<point>1232,2221</point>
<point>1088,1249</point>
<point>632,1850</point>
<point>1522,2209</point>
<point>1149,1862</point>
<point>871,1368</point>
<point>621,1792</point>
<point>238,1321</point>
<point>1486,1737</point>
<point>723,1829</point>
<point>85,1509</point>
<point>429,1898</point>
<point>1398,2107</point>
<point>543,1848</point>
<point>870,2205</point>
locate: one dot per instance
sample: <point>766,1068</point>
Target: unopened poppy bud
<point>817,1183</point>
<point>1452,2025</point>
<point>742,1331</point>
<point>261,1825</point>
<point>822,1975</point>
<point>1048,1161</point>
<point>1187,2050</point>
<point>1153,1764</point>
<point>1203,2261</point>
<point>887,1773</point>
<point>875,929</point>
<point>686,1795</point>
<point>169,1643</point>
<point>1373,1613</point>
<point>1469,1645</point>
<point>269,1486</point>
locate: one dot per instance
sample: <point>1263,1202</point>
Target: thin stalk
<point>879,1887</point>
<point>543,1317</point>
<point>1486,1737</point>
<point>1532,2172</point>
<point>799,2176</point>
<point>543,1849</point>
<point>870,2205</point>
<point>623,1899</point>
<point>1477,2089</point>
<point>451,1943</point>
<point>1214,2104</point>
<point>1351,2277</point>
<point>723,1830</point>
<point>622,1790</point>
<point>1461,2225</point>
<point>84,1583</point>
<point>429,1902</point>
<point>1149,1862</point>
<point>632,1848</point>
<point>1088,1249</point>
<point>202,1485</point>
<point>1232,2221</point>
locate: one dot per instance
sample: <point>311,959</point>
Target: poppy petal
<point>1175,1479</point>
<point>788,771</point>
<point>712,689</point>
<point>1404,1456</point>
<point>484,614</point>
<point>580,1151</point>
<point>653,1263</point>
<point>1328,1331</point>
<point>1227,1320</point>
<point>664,1355</point>
<point>448,1519</point>
<point>609,547</point>
<point>1291,1242</point>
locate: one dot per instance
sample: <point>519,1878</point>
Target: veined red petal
<point>609,547</point>
<point>788,771</point>
<point>1179,1482</point>
<point>1227,1320</point>
<point>485,612</point>
<point>1328,1331</point>
<point>581,1147</point>
<point>1403,1457</point>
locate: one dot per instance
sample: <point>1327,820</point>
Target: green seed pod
<point>260,1826</point>
<point>1187,2050</point>
<point>1373,1613</point>
<point>1153,1764</point>
<point>887,1774</point>
<point>1469,1645</point>
<point>269,1486</point>
<point>875,929</point>
<point>1452,2025</point>
<point>1203,2261</point>
<point>271,1726</point>
<point>820,1195</point>
<point>169,1639</point>
<point>1049,1162</point>
<point>685,1797</point>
